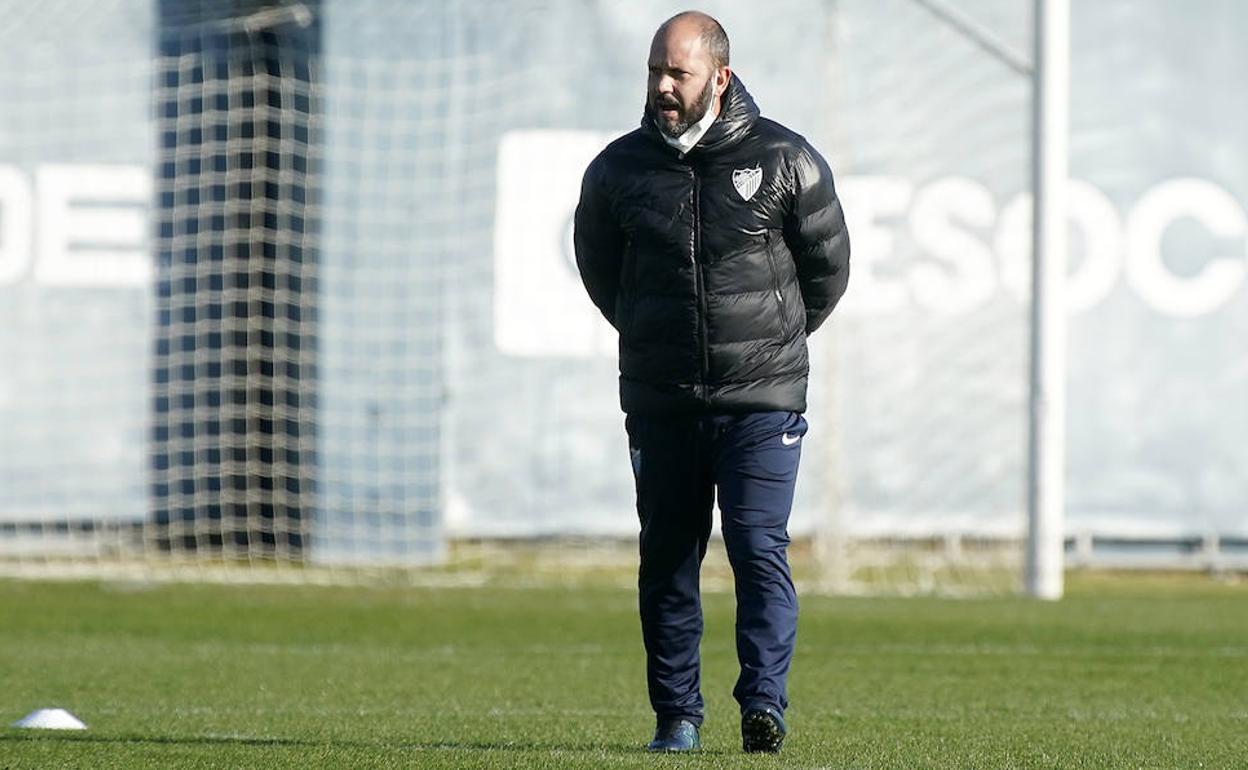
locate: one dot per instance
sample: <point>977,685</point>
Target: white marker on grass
<point>50,719</point>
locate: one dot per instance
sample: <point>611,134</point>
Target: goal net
<point>289,285</point>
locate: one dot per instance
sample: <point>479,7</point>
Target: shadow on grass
<point>244,740</point>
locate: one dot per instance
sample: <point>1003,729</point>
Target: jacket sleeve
<point>599,243</point>
<point>815,233</point>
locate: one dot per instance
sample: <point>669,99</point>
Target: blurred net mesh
<point>233,403</point>
<point>76,93</point>
<point>929,378</point>
<point>360,336</point>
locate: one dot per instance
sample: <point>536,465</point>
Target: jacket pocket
<point>628,283</point>
<point>628,265</point>
<point>775,275</point>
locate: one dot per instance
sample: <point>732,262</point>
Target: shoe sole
<point>761,734</point>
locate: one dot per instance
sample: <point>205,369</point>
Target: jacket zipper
<point>626,288</point>
<point>771,262</point>
<point>701,287</point>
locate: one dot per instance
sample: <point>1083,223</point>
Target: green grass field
<point>1125,673</point>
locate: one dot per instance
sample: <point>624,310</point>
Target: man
<point>713,241</point>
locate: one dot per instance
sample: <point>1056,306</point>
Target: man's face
<point>682,84</point>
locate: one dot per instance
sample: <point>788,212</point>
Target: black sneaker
<point>762,731</point>
<point>673,735</point>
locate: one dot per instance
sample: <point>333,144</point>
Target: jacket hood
<point>737,115</point>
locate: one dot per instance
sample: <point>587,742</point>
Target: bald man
<point>712,239</point>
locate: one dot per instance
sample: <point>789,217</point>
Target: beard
<point>685,117</point>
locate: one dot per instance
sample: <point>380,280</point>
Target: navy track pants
<point>681,463</point>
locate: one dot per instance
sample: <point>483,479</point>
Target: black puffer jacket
<point>715,265</point>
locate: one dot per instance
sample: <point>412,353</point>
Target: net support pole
<point>1046,493</point>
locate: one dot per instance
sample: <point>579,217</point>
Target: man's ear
<point>722,77</point>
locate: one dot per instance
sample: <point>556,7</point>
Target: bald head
<point>711,35</point>
<point>688,71</point>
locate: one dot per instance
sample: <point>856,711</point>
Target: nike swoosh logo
<point>788,440</point>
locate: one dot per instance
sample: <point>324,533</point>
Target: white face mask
<point>686,141</point>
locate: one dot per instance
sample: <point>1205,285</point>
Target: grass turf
<point>1125,673</point>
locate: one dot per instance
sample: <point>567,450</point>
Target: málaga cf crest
<point>747,180</point>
